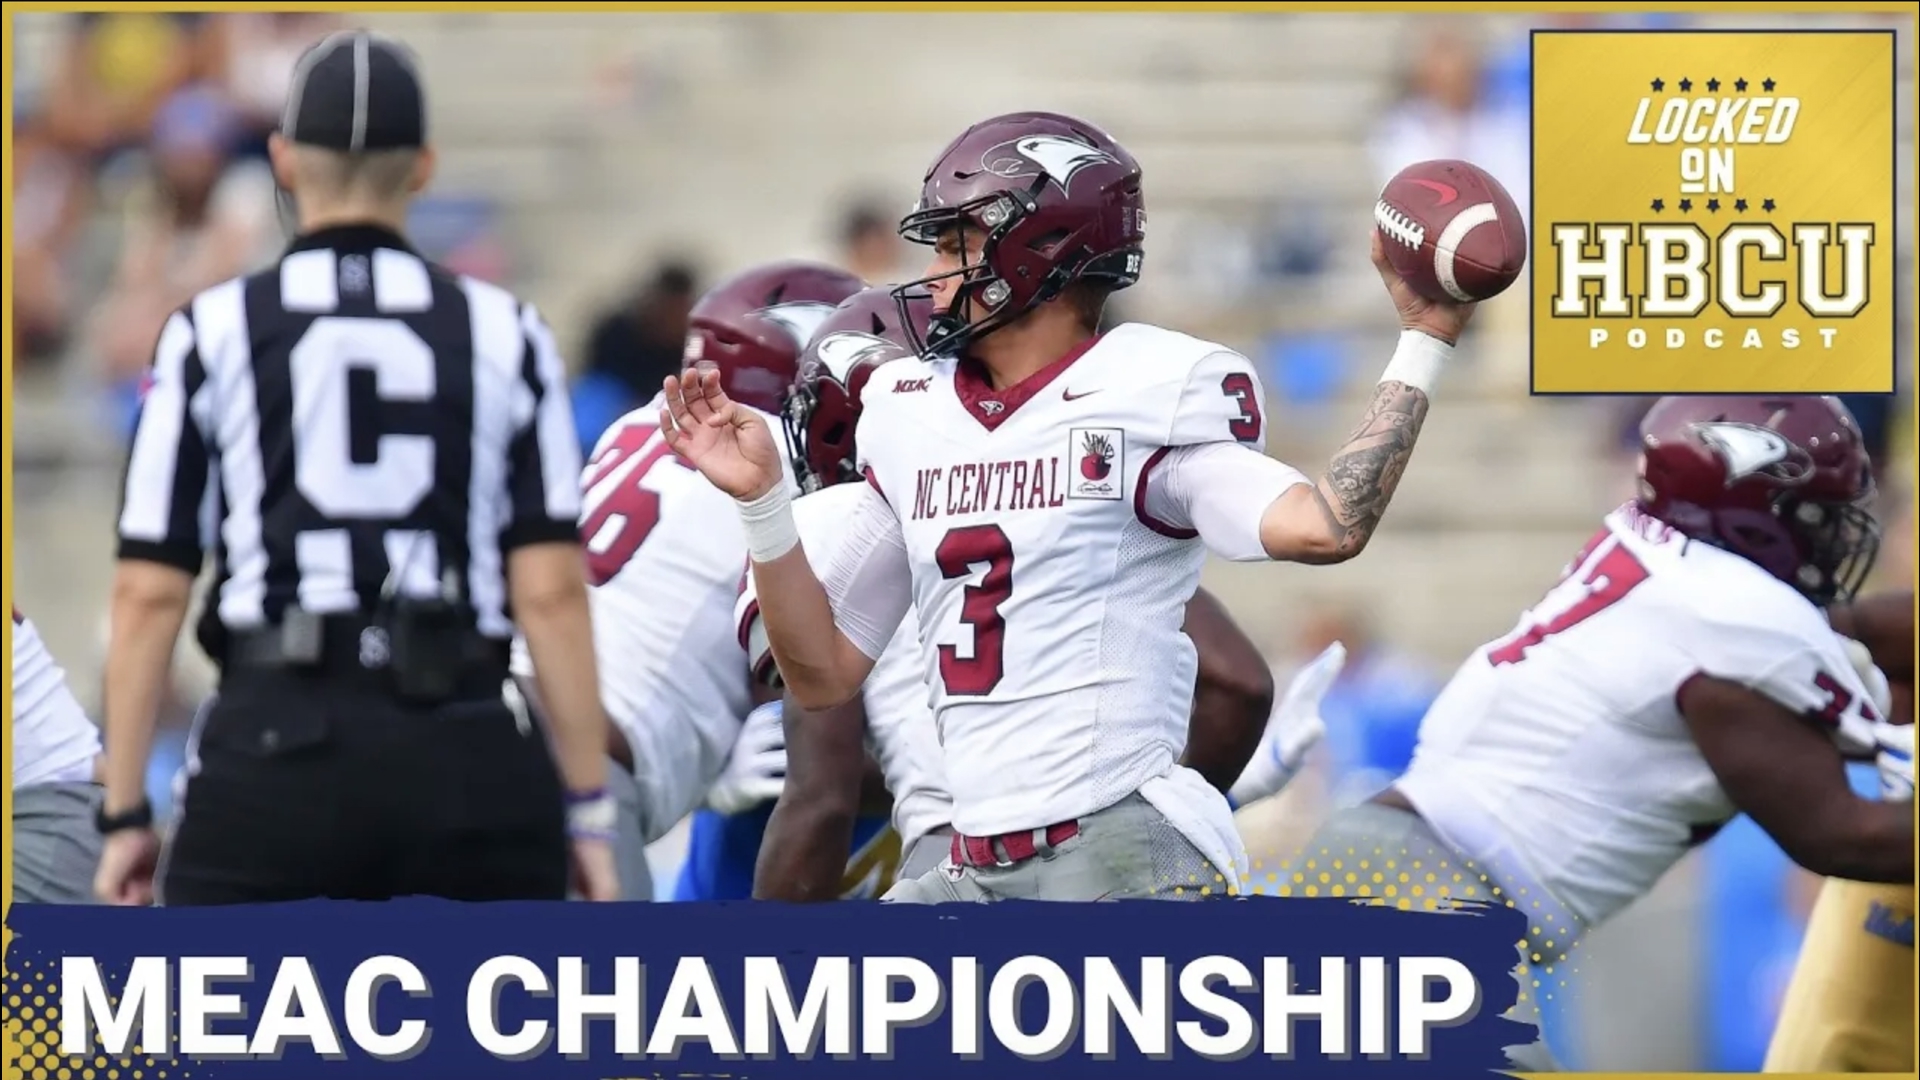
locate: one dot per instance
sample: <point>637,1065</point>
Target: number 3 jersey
<point>1047,536</point>
<point>665,550</point>
<point>1558,755</point>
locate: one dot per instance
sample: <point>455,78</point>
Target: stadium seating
<point>608,138</point>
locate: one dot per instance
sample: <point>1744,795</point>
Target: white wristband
<point>594,818</point>
<point>1417,361</point>
<point>771,531</point>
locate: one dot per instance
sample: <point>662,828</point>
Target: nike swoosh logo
<point>1068,395</point>
<point>1446,192</point>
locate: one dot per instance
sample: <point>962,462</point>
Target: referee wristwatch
<point>138,817</point>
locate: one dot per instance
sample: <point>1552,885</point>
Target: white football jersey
<point>54,742</point>
<point>665,554</point>
<point>1050,597</point>
<point>1557,754</point>
<point>900,730</point>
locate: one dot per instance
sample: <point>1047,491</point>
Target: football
<point>1451,231</point>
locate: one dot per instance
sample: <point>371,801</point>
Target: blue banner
<point>754,991</point>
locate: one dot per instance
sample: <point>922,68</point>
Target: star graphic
<point>1659,205</point>
<point>1713,86</point>
<point>1659,85</point>
<point>1767,205</point>
<point>1686,204</point>
<point>1767,85</point>
<point>1713,206</point>
<point>1740,85</point>
<point>1686,84</point>
<point>1740,205</point>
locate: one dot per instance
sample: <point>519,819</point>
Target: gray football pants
<point>56,848</point>
<point>1370,829</point>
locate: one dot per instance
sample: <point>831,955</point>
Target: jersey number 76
<point>619,509</point>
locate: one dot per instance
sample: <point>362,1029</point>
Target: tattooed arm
<point>1215,480</point>
<point>1248,507</point>
<point>1333,520</point>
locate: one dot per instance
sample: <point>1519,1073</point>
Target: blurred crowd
<point>156,124</point>
<point>139,177</point>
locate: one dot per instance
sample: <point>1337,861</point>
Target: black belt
<point>346,645</point>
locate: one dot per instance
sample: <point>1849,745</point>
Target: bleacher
<point>607,138</point>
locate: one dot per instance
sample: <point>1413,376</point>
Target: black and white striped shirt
<point>350,412</point>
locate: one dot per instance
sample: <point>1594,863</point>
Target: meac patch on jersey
<point>1086,427</point>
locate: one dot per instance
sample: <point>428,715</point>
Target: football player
<point>1850,1005</point>
<point>664,554</point>
<point>56,780</point>
<point>1681,672</point>
<point>1042,495</point>
<point>807,841</point>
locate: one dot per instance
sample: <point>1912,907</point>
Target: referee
<point>379,456</point>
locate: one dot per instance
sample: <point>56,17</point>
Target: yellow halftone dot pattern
<point>1427,882</point>
<point>33,1027</point>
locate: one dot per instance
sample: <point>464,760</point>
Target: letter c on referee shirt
<point>401,472</point>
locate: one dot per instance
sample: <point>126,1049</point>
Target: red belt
<point>1018,846</point>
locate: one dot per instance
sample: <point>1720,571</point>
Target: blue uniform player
<point>727,831</point>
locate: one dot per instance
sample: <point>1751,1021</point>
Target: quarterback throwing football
<point>1042,495</point>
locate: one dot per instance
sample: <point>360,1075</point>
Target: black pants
<point>325,786</point>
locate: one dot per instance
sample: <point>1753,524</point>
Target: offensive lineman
<point>807,840</point>
<point>1036,490</point>
<point>1680,673</point>
<point>664,556</point>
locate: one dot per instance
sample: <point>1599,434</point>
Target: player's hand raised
<point>1294,729</point>
<point>1445,321</point>
<point>730,444</point>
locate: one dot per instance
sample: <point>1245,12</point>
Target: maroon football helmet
<point>1058,200</point>
<point>753,325</point>
<point>1784,482</point>
<point>823,408</point>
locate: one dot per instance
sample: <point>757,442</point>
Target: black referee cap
<point>356,91</point>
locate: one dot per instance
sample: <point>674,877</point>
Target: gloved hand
<point>1293,730</point>
<point>756,768</point>
<point>1895,759</point>
<point>1879,691</point>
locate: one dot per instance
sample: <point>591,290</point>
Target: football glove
<point>1292,731</point>
<point>1895,759</point>
<point>756,768</point>
<point>1879,691</point>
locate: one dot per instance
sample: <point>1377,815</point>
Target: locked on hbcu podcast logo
<point>1713,212</point>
